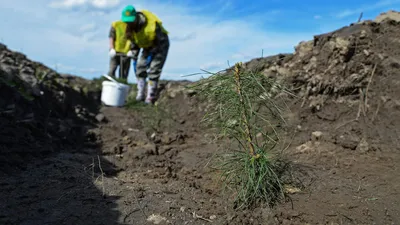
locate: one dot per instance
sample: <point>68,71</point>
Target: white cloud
<point>184,37</point>
<point>60,66</point>
<point>98,4</point>
<point>347,12</point>
<point>80,39</point>
<point>105,3</point>
<point>88,27</point>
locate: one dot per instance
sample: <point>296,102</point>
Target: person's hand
<point>112,53</point>
<point>129,54</point>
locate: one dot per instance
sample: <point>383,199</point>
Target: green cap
<point>128,14</point>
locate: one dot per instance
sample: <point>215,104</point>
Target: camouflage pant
<point>123,61</point>
<point>159,56</point>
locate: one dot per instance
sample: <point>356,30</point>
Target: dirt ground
<point>150,165</point>
<point>130,174</point>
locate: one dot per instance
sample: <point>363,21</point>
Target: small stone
<point>151,149</point>
<point>363,34</point>
<point>166,139</point>
<point>366,52</point>
<point>156,219</point>
<point>348,141</point>
<point>77,110</point>
<point>363,146</point>
<point>316,136</point>
<point>182,209</point>
<point>153,136</point>
<point>190,92</point>
<point>100,117</point>
<point>172,94</point>
<point>291,190</point>
<point>213,217</point>
<point>385,99</point>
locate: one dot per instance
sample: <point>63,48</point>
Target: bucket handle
<point>110,78</point>
<point>113,80</point>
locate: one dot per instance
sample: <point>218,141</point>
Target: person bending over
<point>146,32</point>
<point>120,47</point>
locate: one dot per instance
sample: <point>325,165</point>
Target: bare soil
<point>150,164</point>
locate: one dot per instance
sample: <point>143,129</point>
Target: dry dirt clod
<point>363,146</point>
<point>156,219</point>
<point>316,136</point>
<point>100,117</point>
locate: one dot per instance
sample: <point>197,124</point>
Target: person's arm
<point>111,37</point>
<point>135,51</point>
<point>111,43</point>
<point>160,36</point>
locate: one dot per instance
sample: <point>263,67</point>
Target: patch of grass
<point>131,103</point>
<point>120,80</point>
<point>153,117</point>
<point>243,110</point>
<point>41,73</point>
<point>19,87</point>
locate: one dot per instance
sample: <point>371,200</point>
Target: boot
<point>151,91</point>
<point>141,84</point>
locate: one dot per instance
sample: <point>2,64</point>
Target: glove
<point>134,65</point>
<point>112,53</point>
<point>129,54</point>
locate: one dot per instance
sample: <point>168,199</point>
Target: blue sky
<point>71,35</point>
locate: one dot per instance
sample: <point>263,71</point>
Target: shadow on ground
<point>51,168</point>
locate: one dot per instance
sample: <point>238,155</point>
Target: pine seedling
<point>243,109</point>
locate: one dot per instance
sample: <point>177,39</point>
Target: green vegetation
<point>243,110</point>
<point>152,116</point>
<point>19,87</point>
<point>120,80</point>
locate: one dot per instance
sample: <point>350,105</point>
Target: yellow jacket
<point>145,37</point>
<point>121,43</point>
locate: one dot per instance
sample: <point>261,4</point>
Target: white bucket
<point>114,94</point>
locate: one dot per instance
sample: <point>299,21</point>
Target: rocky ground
<point>67,160</point>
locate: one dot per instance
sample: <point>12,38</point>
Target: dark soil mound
<point>355,67</point>
<point>41,111</point>
<point>345,121</point>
